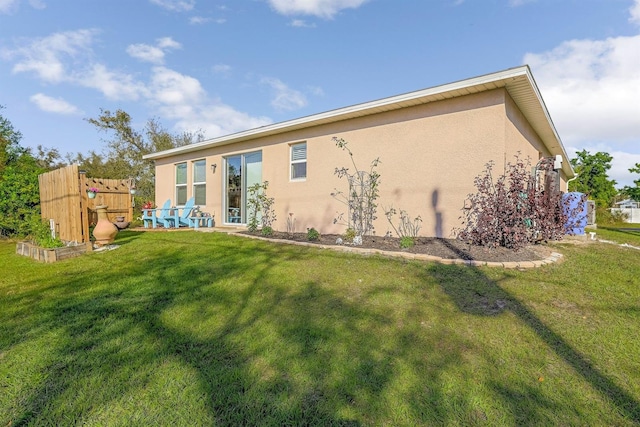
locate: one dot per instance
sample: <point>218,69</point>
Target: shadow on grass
<point>266,349</point>
<point>623,230</point>
<point>474,293</point>
<point>188,328</point>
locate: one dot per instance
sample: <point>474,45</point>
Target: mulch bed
<point>443,248</point>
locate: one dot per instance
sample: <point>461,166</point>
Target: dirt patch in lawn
<point>442,248</point>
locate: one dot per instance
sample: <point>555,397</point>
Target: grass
<point>207,329</point>
<point>621,233</point>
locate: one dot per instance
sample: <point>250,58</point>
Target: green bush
<point>407,242</point>
<point>267,231</point>
<point>605,216</point>
<point>41,235</point>
<point>349,235</point>
<point>312,234</point>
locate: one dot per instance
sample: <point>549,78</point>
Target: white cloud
<point>68,58</point>
<point>634,11</point>
<point>175,5</point>
<point>146,53</point>
<point>182,99</point>
<point>284,98</point>
<point>169,87</point>
<point>8,6</point>
<point>592,91</point>
<point>592,88</point>
<point>221,69</point>
<point>199,20</point>
<point>168,43</point>
<point>112,84</point>
<point>301,23</point>
<point>53,105</point>
<point>320,8</point>
<point>46,57</point>
<point>153,54</point>
<point>217,119</point>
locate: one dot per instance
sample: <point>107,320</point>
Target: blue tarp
<point>575,207</point>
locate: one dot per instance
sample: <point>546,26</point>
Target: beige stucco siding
<point>429,156</point>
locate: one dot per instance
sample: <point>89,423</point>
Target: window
<point>199,182</point>
<point>299,161</point>
<point>181,184</point>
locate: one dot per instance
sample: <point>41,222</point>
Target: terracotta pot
<point>105,231</point>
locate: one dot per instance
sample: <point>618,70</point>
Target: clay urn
<point>105,231</point>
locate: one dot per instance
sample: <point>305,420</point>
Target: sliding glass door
<point>242,171</point>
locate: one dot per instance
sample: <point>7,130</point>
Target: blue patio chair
<point>178,219</point>
<point>153,216</point>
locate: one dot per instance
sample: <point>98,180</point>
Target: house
<point>431,144</point>
<point>629,210</point>
<point>627,204</point>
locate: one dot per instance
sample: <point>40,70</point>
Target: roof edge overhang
<point>518,81</point>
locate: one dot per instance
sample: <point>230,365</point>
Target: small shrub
<point>267,231</point>
<point>407,242</point>
<point>610,217</point>
<point>258,204</point>
<point>349,235</point>
<point>41,235</point>
<point>312,234</point>
<point>408,229</point>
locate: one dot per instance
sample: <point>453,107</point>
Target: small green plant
<point>267,231</point>
<point>312,234</point>
<point>349,235</point>
<point>407,230</point>
<point>407,242</point>
<point>41,235</point>
<point>260,207</point>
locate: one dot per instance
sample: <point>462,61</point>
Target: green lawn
<point>193,329</point>
<point>627,233</point>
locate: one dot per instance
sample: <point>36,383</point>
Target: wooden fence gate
<point>63,199</point>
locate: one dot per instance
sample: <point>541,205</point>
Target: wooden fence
<point>63,199</point>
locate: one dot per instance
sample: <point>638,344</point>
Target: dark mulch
<point>443,248</point>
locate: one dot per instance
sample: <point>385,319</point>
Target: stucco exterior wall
<point>429,156</point>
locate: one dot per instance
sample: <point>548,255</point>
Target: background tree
<point>633,192</point>
<point>19,193</point>
<point>123,155</point>
<point>592,177</point>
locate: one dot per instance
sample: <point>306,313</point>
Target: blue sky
<point>226,66</point>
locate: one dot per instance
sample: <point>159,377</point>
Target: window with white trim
<point>299,161</point>
<point>181,184</point>
<point>199,182</point>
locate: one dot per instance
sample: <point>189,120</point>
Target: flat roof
<point>518,82</point>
